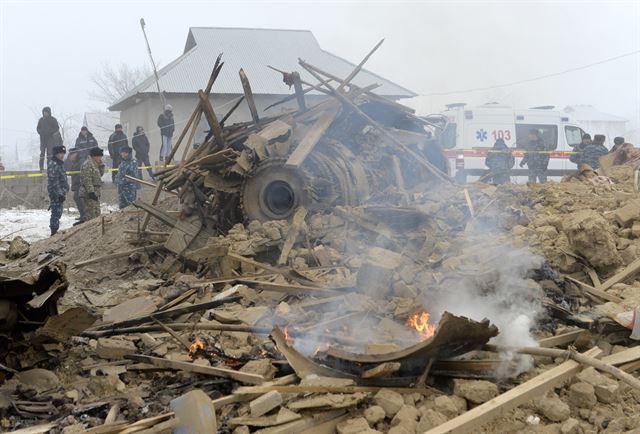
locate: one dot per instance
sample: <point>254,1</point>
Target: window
<point>448,136</point>
<point>549,134</point>
<point>574,135</point>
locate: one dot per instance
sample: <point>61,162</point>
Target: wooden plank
<point>500,405</point>
<point>593,276</point>
<point>243,377</point>
<point>623,275</point>
<point>311,139</point>
<point>623,357</point>
<point>292,235</point>
<point>562,340</point>
<point>330,389</point>
<point>149,248</point>
<point>598,292</point>
<point>297,87</point>
<point>248,95</point>
<point>212,119</point>
<point>358,68</point>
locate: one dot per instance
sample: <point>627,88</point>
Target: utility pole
<point>153,64</point>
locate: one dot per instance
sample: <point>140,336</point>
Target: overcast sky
<point>48,50</point>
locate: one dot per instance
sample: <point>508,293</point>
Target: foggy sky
<point>48,50</point>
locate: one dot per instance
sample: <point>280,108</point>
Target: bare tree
<point>112,83</point>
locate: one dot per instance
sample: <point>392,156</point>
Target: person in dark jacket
<point>140,143</point>
<point>57,186</point>
<point>84,142</point>
<point>500,161</point>
<point>49,132</point>
<point>167,127</point>
<point>116,141</point>
<point>592,153</point>
<point>576,157</point>
<point>617,142</point>
<point>72,165</point>
<point>536,157</point>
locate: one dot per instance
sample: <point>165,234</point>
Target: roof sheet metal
<point>252,50</point>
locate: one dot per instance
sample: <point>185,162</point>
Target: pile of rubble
<point>318,274</point>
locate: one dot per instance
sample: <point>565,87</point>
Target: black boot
<point>54,231</point>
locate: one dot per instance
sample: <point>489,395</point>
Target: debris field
<point>319,272</point>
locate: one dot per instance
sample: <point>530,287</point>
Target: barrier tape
<point>73,172</point>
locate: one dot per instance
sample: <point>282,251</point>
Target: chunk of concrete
<point>114,349</point>
<point>445,405</point>
<point>195,413</point>
<point>476,391</point>
<point>627,214</point>
<point>553,408</point>
<point>38,379</point>
<point>353,426</point>
<point>265,403</point>
<point>582,395</point>
<point>430,419</point>
<point>571,426</point>
<point>374,414</point>
<point>390,401</point>
<point>406,417</point>
<point>606,389</point>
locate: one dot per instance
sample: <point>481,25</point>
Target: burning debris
<point>321,274</point>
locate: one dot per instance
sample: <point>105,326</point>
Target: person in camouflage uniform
<point>57,186</point>
<point>91,183</point>
<point>536,157</point>
<point>592,152</point>
<point>127,189</point>
<point>500,161</point>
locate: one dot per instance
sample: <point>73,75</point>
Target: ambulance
<point>467,133</point>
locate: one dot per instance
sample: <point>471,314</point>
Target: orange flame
<point>287,336</point>
<point>195,346</point>
<point>420,322</point>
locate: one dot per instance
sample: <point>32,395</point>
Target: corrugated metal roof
<point>252,50</point>
<point>586,112</point>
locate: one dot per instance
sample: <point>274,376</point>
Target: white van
<point>468,133</point>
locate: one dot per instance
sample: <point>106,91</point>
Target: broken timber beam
<point>623,275</point>
<point>500,405</point>
<point>421,160</point>
<point>598,292</point>
<point>212,120</point>
<point>248,95</point>
<point>294,230</point>
<point>149,248</point>
<point>243,377</point>
<point>311,139</point>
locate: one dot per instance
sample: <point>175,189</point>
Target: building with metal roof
<point>247,48</point>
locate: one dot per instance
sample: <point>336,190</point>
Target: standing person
<point>57,186</point>
<point>116,140</point>
<point>536,157</point>
<point>49,132</point>
<point>126,188</point>
<point>617,142</point>
<point>576,157</point>
<point>592,153</point>
<point>73,165</point>
<point>91,183</point>
<point>140,143</point>
<point>500,161</point>
<point>84,143</point>
<point>167,127</point>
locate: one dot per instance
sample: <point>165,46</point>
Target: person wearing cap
<point>49,132</point>
<point>116,141</point>
<point>167,127</point>
<point>84,142</point>
<point>577,151</point>
<point>72,165</point>
<point>57,186</point>
<point>617,142</point>
<point>500,161</point>
<point>140,144</point>
<point>127,188</point>
<point>91,183</point>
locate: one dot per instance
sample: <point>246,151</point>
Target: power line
<point>541,77</point>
